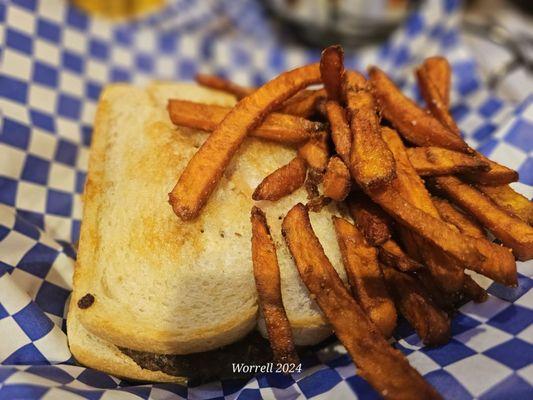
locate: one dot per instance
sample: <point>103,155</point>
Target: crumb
<point>86,301</point>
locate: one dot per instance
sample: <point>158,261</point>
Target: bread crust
<point>94,352</point>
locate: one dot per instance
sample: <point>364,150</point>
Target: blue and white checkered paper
<point>54,62</point>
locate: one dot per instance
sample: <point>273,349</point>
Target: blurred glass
<point>348,22</point>
<point>119,9</point>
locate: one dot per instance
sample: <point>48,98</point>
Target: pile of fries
<point>420,198</point>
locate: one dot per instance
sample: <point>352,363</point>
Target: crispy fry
<point>364,276</point>
<point>446,301</point>
<point>315,153</point>
<point>268,284</point>
<point>370,219</point>
<point>407,180</point>
<point>412,122</point>
<point>371,162</point>
<point>332,69</point>
<point>446,271</point>
<point>303,104</point>
<point>497,174</point>
<point>465,223</point>
<point>430,228</point>
<point>409,243</point>
<point>336,180</point>
<point>340,130</point>
<point>430,322</point>
<point>512,231</point>
<point>391,253</point>
<point>450,301</point>
<point>282,181</point>
<point>473,291</point>
<point>432,96</point>
<point>499,263</point>
<point>283,128</point>
<point>440,73</point>
<point>385,368</point>
<point>374,224</point>
<point>439,161</point>
<point>206,167</point>
<point>224,85</point>
<point>511,201</point>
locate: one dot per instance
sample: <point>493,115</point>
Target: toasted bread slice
<point>162,285</point>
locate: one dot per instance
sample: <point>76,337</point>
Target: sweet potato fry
<point>499,263</point>
<point>446,271</point>
<point>206,167</point>
<point>371,162</point>
<point>315,152</point>
<point>512,231</point>
<point>224,85</point>
<point>332,69</point>
<point>511,201</point>
<point>409,240</point>
<point>283,128</point>
<point>303,104</point>
<point>385,368</point>
<point>336,180</point>
<point>391,253</point>
<point>446,301</point>
<point>465,223</point>
<point>268,284</point>
<point>450,301</point>
<point>370,219</point>
<point>432,229</point>
<point>473,291</point>
<point>374,224</point>
<point>365,277</point>
<point>282,181</point>
<point>432,96</point>
<point>412,122</point>
<point>430,322</point>
<point>497,174</point>
<point>440,73</point>
<point>438,161</point>
<point>340,130</point>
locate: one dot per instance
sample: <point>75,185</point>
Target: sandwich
<point>218,234</point>
<point>154,296</point>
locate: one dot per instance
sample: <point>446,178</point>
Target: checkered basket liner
<point>54,61</point>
